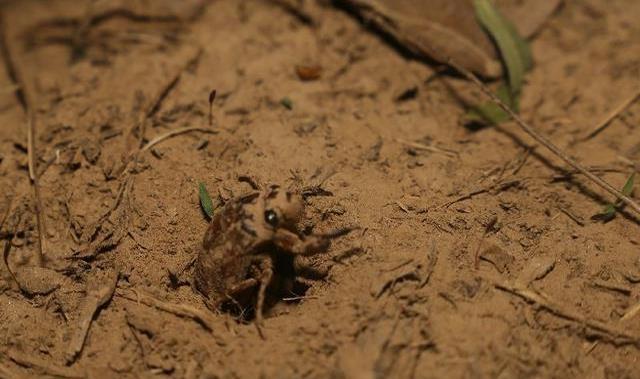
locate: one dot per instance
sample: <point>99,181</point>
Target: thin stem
<point>543,141</point>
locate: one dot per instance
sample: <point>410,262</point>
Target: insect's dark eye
<point>271,217</point>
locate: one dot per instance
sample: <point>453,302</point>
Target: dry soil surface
<point>477,254</point>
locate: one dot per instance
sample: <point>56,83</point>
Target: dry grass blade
<point>433,149</point>
<point>602,125</point>
<point>543,141</point>
<point>632,312</point>
<point>181,310</point>
<point>609,333</point>
<point>5,261</point>
<point>174,133</point>
<point>24,95</point>
<point>94,301</point>
<point>36,187</point>
<point>43,367</point>
<point>160,96</point>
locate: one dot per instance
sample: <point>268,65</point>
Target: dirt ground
<point>477,257</point>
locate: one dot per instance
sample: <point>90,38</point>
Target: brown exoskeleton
<point>243,243</point>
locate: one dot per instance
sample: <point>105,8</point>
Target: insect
<point>246,244</point>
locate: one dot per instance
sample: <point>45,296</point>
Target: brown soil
<point>512,280</point>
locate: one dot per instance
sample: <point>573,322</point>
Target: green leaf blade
<point>492,113</point>
<point>610,210</point>
<point>628,185</point>
<point>287,103</point>
<point>513,48</point>
<point>205,200</point>
<point>516,57</point>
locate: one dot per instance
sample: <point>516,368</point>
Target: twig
<point>522,160</point>
<point>402,206</point>
<point>124,188</point>
<point>42,366</point>
<point>212,97</point>
<point>487,229</point>
<point>94,301</point>
<point>25,97</point>
<point>544,141</point>
<point>568,213</point>
<point>180,310</point>
<point>159,97</point>
<point>608,333</point>
<point>296,298</point>
<point>174,133</point>
<point>433,149</point>
<point>499,185</point>
<point>631,312</point>
<point>36,190</point>
<point>612,287</point>
<point>5,260</point>
<point>296,10</point>
<point>569,174</point>
<point>612,115</point>
<point>433,260</point>
<point>36,187</point>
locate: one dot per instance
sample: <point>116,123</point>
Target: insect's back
<point>224,259</point>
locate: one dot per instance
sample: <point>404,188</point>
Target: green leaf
<point>609,210</point>
<point>205,200</point>
<point>287,103</point>
<point>523,47</point>
<point>517,60</point>
<point>513,48</point>
<point>492,113</point>
<point>628,185</point>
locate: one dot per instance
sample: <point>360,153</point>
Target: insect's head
<point>282,208</point>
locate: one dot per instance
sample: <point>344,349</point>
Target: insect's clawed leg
<point>294,244</point>
<point>266,268</point>
<point>309,245</point>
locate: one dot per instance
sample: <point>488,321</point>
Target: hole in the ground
<point>283,286</point>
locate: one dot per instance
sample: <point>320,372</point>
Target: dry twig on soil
<point>159,97</point>
<point>43,367</point>
<point>180,310</point>
<point>298,298</point>
<point>604,331</point>
<point>543,140</point>
<point>499,186</point>
<point>602,125</point>
<point>433,259</point>
<point>93,302</point>
<point>634,310</point>
<point>174,133</point>
<point>433,149</point>
<point>575,218</point>
<point>25,97</point>
<point>5,258</point>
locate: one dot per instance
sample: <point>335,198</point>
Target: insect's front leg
<point>294,244</point>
